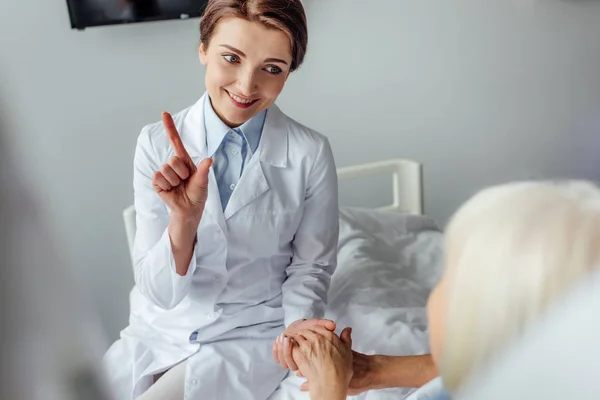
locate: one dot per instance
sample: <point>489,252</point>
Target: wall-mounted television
<point>89,13</point>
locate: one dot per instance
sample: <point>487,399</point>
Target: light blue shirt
<point>432,390</point>
<point>230,149</point>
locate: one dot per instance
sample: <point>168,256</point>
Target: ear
<point>203,54</point>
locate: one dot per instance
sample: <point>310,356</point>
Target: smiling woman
<point>249,52</point>
<point>244,73</point>
<point>236,235</point>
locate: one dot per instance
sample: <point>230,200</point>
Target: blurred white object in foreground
<point>49,345</point>
<point>559,358</point>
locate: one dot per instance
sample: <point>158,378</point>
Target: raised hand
<point>182,185</point>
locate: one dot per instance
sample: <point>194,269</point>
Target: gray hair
<point>511,251</point>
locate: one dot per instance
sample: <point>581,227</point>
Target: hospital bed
<point>389,259</point>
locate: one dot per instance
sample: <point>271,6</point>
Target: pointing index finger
<point>174,138</point>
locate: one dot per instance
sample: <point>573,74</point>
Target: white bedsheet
<point>387,265</point>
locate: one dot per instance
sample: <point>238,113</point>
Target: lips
<point>241,102</point>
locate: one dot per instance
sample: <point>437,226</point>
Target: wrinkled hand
<point>282,348</point>
<point>181,185</point>
<point>323,358</point>
<point>363,367</point>
<point>363,370</point>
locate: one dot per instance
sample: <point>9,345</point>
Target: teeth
<point>240,100</point>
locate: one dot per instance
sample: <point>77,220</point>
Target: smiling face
<point>247,65</point>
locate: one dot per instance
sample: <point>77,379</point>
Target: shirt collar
<point>217,129</point>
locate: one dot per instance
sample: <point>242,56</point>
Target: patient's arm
<point>380,372</point>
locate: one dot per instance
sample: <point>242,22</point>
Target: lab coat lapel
<point>251,185</point>
<point>194,134</point>
<point>271,152</point>
<point>213,202</point>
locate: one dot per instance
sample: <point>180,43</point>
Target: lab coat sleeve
<point>315,244</point>
<point>154,265</point>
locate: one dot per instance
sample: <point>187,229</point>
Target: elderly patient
<point>511,252</point>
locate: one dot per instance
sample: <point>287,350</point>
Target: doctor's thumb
<point>346,336</point>
<point>205,165</point>
<point>198,182</point>
<point>200,177</point>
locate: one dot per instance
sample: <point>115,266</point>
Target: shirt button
<point>194,381</point>
<point>232,187</point>
<point>234,151</point>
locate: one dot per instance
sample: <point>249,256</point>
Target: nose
<point>247,82</point>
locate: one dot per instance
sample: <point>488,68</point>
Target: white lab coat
<point>264,262</point>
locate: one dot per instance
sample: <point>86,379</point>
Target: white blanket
<point>387,265</point>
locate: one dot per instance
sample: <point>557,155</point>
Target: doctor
<point>237,222</point>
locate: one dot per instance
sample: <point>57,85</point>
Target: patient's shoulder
<point>433,390</point>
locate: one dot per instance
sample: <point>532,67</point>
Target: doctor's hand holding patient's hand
<point>325,360</point>
<point>282,348</point>
<point>183,187</point>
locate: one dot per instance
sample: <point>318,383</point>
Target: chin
<point>237,117</point>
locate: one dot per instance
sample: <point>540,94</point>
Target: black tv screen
<point>88,13</point>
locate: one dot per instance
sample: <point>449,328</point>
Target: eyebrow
<point>241,53</point>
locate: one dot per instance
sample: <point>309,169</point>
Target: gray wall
<point>479,91</point>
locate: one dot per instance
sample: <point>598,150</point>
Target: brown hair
<point>285,15</point>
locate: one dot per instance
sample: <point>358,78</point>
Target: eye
<point>273,70</point>
<point>231,58</point>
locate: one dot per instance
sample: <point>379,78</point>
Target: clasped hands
<point>331,368</point>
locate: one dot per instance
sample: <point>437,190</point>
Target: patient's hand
<point>365,369</point>
<point>282,348</point>
<point>325,361</point>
